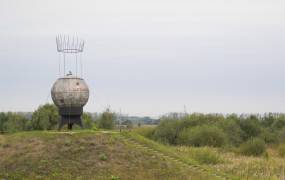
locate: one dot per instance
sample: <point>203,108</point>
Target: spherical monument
<point>70,92</point>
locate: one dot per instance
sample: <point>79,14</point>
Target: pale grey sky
<point>149,57</point>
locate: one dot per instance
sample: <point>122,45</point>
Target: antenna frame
<point>66,44</point>
<point>70,45</point>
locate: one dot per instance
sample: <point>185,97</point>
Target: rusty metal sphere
<point>70,91</point>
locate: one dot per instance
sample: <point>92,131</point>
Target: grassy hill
<point>86,155</point>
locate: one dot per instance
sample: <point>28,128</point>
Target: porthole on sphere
<point>77,83</point>
<point>62,101</point>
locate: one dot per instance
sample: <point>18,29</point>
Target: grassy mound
<point>82,155</point>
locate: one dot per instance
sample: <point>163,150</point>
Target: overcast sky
<point>149,57</point>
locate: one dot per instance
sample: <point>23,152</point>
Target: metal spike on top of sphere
<point>66,44</point>
<point>70,92</point>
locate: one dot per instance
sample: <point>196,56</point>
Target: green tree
<point>250,127</point>
<point>205,135</point>
<point>281,136</point>
<point>268,135</point>
<point>87,121</point>
<point>3,120</point>
<point>12,122</point>
<point>16,122</point>
<point>167,131</point>
<point>232,130</point>
<point>267,120</point>
<point>45,117</point>
<point>107,120</point>
<point>279,123</point>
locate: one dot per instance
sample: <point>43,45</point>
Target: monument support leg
<point>61,124</point>
<point>70,126</point>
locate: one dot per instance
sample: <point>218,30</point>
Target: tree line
<point>46,117</point>
<point>249,133</point>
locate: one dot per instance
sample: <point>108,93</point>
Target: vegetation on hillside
<point>226,160</point>
<point>238,145</point>
<point>219,131</point>
<point>246,146</point>
<point>83,155</point>
<point>107,120</point>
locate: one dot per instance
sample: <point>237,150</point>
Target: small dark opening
<point>77,83</point>
<point>62,101</point>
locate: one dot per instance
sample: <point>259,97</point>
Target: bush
<point>202,136</point>
<point>278,123</point>
<point>87,121</point>
<point>103,157</point>
<point>45,117</point>
<point>167,131</point>
<point>145,131</point>
<point>207,156</point>
<point>94,127</point>
<point>114,177</point>
<point>107,120</point>
<point>281,136</point>
<point>268,136</point>
<point>232,130</point>
<point>250,127</point>
<point>253,147</point>
<point>12,122</point>
<point>281,150</point>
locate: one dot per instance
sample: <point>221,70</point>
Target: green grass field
<point>127,155</point>
<point>84,155</point>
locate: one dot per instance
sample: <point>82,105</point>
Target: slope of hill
<point>84,155</point>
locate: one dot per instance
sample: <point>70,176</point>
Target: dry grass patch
<point>254,168</point>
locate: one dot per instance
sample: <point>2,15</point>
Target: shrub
<point>197,119</point>
<point>202,136</point>
<point>268,136</point>
<point>278,123</point>
<point>87,121</point>
<point>253,147</point>
<point>267,120</point>
<point>281,150</point>
<point>114,177</point>
<point>183,137</point>
<point>232,130</point>
<point>103,157</point>
<point>281,136</point>
<point>94,127</point>
<point>45,117</point>
<point>207,156</point>
<point>167,131</point>
<point>107,120</point>
<point>145,131</point>
<point>250,127</point>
